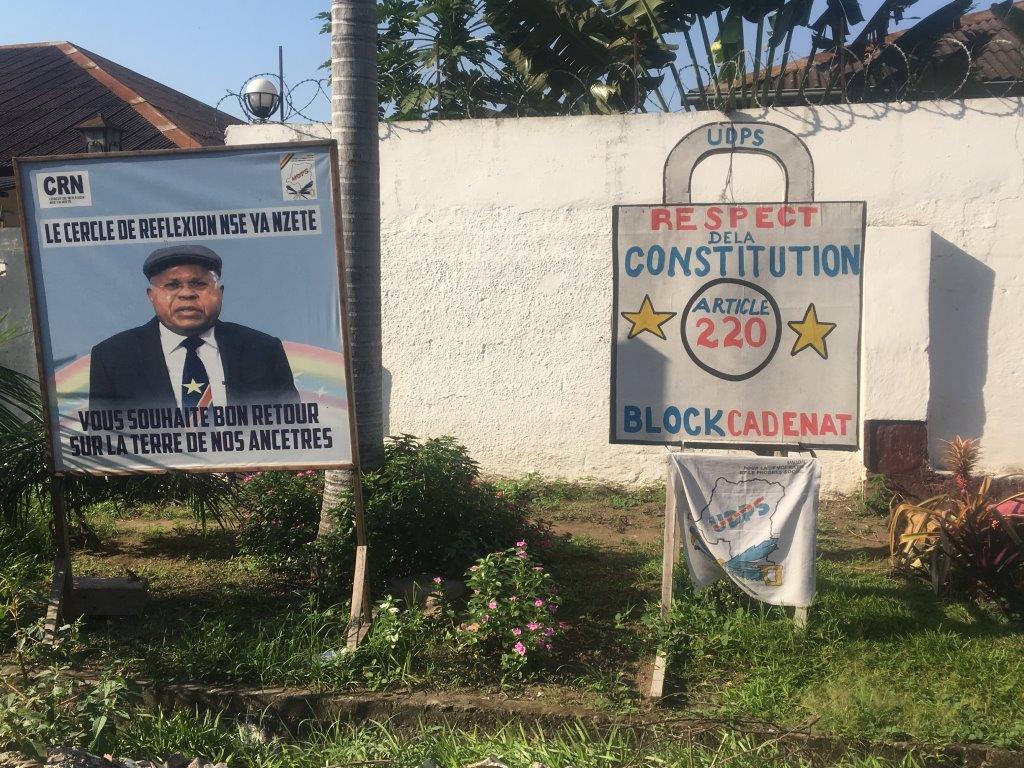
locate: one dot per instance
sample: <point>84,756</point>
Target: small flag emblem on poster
<point>298,177</point>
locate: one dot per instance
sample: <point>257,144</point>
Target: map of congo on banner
<point>737,323</point>
<point>751,519</point>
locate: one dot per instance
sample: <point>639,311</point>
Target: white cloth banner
<point>751,518</point>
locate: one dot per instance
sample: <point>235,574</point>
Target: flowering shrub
<point>428,511</point>
<point>282,513</point>
<point>512,612</point>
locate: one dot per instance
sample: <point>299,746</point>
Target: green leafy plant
<point>512,612</point>
<point>281,514</point>
<point>429,512</point>
<point>965,540</point>
<point>48,705</point>
<point>875,499</point>
<point>397,648</point>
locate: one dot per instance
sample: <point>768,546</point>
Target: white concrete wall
<point>497,271</point>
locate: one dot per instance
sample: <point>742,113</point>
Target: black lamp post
<point>100,135</point>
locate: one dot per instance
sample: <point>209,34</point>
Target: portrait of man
<point>186,356</point>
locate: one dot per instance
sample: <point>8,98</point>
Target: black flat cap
<point>162,258</point>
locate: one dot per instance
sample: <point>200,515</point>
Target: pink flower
<point>437,579</point>
<point>521,543</point>
<point>547,646</point>
<point>549,631</point>
<point>538,567</point>
<point>562,625</point>
<point>486,618</point>
<point>517,631</point>
<point>553,608</point>
<point>513,599</point>
<point>538,602</point>
<point>519,648</point>
<point>493,604</point>
<point>532,626</point>
<point>474,568</point>
<point>521,555</point>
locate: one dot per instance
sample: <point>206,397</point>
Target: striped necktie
<point>195,381</point>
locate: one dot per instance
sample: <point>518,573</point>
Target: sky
<point>206,49</point>
<point>203,49</point>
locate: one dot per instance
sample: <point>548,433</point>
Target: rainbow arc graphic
<point>319,376</point>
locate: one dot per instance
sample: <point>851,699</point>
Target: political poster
<point>188,309</point>
<point>752,520</point>
<point>737,323</point>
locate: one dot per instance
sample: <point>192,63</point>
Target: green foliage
<point>398,649</point>
<point>534,491</point>
<point>23,569</point>
<point>879,659</point>
<point>638,497</point>
<point>153,735</point>
<point>48,705</point>
<point>511,614</point>
<point>875,500</point>
<point>282,512</point>
<point>428,511</point>
<point>213,736</point>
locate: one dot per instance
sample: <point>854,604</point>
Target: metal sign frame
<point>29,241</point>
<point>63,588</point>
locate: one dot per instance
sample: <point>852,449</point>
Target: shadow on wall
<point>385,400</point>
<point>641,380</point>
<point>959,307</point>
<point>841,117</point>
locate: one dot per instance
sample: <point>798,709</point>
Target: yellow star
<point>811,333</point>
<point>192,387</point>
<point>646,319</point>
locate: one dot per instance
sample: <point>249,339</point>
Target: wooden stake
<point>669,559</point>
<point>799,614</point>
<point>359,614</point>
<point>800,618</point>
<point>62,584</point>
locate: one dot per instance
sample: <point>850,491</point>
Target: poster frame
<point>34,280</point>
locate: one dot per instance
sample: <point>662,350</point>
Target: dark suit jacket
<point>128,370</point>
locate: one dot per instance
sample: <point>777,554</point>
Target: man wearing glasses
<point>186,357</point>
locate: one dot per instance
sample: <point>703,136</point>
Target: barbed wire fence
<point>943,69</point>
<point>306,93</point>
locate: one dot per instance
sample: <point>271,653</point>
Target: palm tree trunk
<point>354,126</point>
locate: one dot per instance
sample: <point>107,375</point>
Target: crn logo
<point>64,184</point>
<point>63,189</point>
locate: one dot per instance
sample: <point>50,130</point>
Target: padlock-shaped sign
<point>738,323</point>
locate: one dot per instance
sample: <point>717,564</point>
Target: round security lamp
<point>261,97</point>
<point>100,134</point>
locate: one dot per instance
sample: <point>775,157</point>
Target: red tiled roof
<point>46,89</point>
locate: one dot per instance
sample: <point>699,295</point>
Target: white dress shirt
<point>174,356</point>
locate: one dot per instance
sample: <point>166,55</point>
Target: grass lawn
<point>881,658</point>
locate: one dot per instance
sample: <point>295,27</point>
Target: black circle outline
<point>714,371</point>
